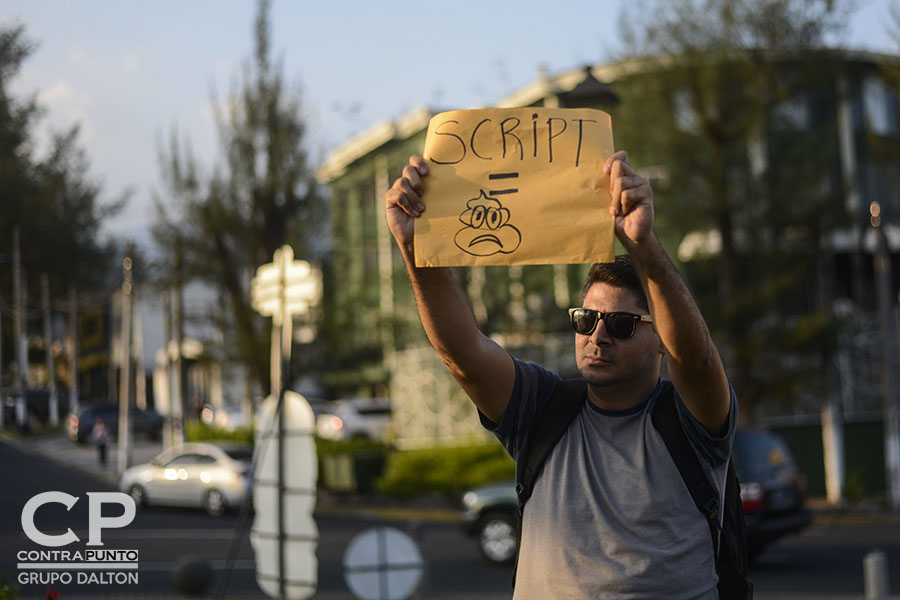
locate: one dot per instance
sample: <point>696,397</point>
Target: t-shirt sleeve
<point>714,450</point>
<point>533,387</point>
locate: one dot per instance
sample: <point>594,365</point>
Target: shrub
<point>445,470</point>
<point>197,431</point>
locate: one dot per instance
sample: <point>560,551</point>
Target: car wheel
<point>139,495</point>
<point>214,503</point>
<point>497,537</point>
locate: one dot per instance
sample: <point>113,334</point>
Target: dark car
<point>773,490</point>
<point>144,422</point>
<point>773,495</point>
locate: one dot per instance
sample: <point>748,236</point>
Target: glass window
<point>761,456</point>
<point>792,114</point>
<point>880,106</point>
<point>684,113</point>
<point>191,459</point>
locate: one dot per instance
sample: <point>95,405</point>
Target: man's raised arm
<point>484,370</point>
<point>694,363</point>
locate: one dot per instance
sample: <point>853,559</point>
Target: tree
<point>738,91</point>
<point>50,199</point>
<point>232,220</point>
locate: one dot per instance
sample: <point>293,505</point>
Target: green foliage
<point>217,228</point>
<point>196,431</point>
<point>8,592</point>
<point>355,446</point>
<point>725,81</point>
<point>445,470</point>
<point>49,198</point>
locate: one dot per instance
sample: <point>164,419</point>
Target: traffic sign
<point>383,563</point>
<point>284,286</point>
<point>285,535</point>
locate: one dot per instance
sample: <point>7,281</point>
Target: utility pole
<point>73,351</point>
<point>884,292</point>
<point>178,306</point>
<point>169,429</point>
<point>21,343</point>
<point>2,398</point>
<point>124,448</point>
<point>140,384</point>
<point>48,346</point>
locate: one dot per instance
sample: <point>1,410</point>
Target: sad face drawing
<point>487,231</point>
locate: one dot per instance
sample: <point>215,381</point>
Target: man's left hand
<point>631,200</point>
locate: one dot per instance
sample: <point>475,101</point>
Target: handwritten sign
<point>516,186</point>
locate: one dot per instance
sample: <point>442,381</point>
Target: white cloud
<point>65,106</point>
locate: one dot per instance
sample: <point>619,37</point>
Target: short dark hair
<point>621,274</point>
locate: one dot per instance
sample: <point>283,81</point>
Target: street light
<point>885,302</point>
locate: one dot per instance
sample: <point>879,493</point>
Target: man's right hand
<point>403,201</point>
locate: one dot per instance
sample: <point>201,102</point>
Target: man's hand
<point>403,201</point>
<point>631,200</point>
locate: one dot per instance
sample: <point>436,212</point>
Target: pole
<point>21,343</point>
<point>178,388</point>
<point>284,259</point>
<point>2,398</point>
<point>886,328</point>
<point>125,373</point>
<point>140,385</point>
<point>169,429</point>
<point>48,346</point>
<point>73,351</point>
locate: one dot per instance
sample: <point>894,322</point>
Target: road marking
<point>219,565</point>
<point>167,534</point>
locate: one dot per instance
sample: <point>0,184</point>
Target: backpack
<point>729,540</point>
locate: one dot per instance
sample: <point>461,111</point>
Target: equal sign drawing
<point>501,176</point>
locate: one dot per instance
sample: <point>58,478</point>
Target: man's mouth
<point>598,360</point>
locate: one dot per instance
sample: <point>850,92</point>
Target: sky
<point>129,72</point>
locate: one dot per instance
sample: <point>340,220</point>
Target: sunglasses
<point>620,325</point>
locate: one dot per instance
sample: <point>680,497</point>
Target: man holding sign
<point>609,516</point>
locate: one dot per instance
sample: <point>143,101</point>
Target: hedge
<point>447,470</point>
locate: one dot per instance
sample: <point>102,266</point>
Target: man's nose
<point>600,336</point>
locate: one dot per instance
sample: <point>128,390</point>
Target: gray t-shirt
<point>610,516</point>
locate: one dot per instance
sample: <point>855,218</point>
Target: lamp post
<point>885,303</point>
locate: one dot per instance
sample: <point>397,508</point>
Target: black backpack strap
<point>557,414</point>
<point>665,420</point>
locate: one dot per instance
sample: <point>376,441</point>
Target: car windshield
<point>239,454</point>
<point>761,456</point>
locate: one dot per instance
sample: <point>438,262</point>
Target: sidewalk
<point>56,446</point>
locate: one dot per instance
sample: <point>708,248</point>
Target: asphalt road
<point>824,562</point>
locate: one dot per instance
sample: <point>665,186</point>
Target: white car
<point>354,419</point>
<point>213,476</point>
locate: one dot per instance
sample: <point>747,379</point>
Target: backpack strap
<point>552,421</point>
<point>665,420</point>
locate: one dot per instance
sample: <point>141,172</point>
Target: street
<point>824,562</point>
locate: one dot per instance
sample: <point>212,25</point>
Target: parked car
<point>143,422</point>
<point>489,513</point>
<point>773,490</point>
<point>354,419</point>
<point>212,476</point>
<point>773,496</point>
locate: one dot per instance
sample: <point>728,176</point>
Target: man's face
<point>604,360</point>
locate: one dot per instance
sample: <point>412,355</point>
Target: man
<point>609,516</point>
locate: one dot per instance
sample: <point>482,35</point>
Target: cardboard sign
<point>516,186</point>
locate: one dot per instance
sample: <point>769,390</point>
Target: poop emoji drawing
<point>487,230</point>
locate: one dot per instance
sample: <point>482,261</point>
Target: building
<point>850,111</point>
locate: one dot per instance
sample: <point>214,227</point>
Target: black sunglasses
<point>620,325</point>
